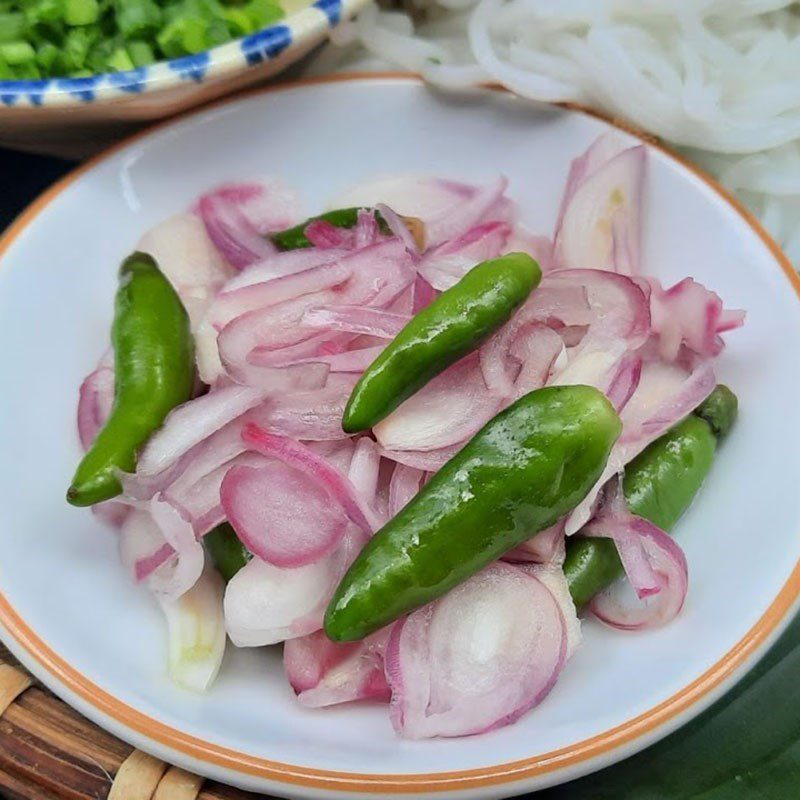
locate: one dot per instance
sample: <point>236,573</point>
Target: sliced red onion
<point>324,235</point>
<point>536,245</point>
<point>379,274</point>
<point>600,221</point>
<point>426,461</point>
<point>404,485</point>
<point>424,295</point>
<point>142,546</point>
<point>95,401</point>
<point>476,659</point>
<point>186,255</point>
<point>623,382</point>
<point>619,306</point>
<point>600,152</point>
<point>268,205</point>
<point>196,633</point>
<point>364,469</point>
<point>325,673</point>
<point>399,228</point>
<point>545,547</point>
<point>303,458</point>
<point>446,411</point>
<point>232,304</point>
<point>265,604</point>
<point>355,319</point>
<point>281,515</point>
<point>308,416</point>
<point>445,265</point>
<point>199,501</point>
<point>111,513</point>
<point>519,359</point>
<point>691,315</point>
<point>192,423</point>
<point>461,217</point>
<point>179,574</point>
<point>366,231</point>
<point>232,233</point>
<point>664,395</point>
<point>412,196</point>
<point>354,361</point>
<point>654,564</point>
<point>281,265</point>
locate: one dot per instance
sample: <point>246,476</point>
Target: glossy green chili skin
<point>450,327</point>
<point>659,485</point>
<point>295,238</point>
<point>154,368</point>
<point>227,552</point>
<point>719,410</point>
<point>530,465</point>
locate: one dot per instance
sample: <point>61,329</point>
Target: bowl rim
<point>301,27</point>
<point>645,727</point>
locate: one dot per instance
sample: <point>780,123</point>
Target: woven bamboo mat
<point>48,752</point>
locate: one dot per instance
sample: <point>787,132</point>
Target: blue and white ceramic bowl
<point>76,116</point>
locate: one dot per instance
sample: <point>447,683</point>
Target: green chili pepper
<point>719,410</point>
<point>154,366</point>
<point>450,327</point>
<point>659,485</point>
<point>295,238</point>
<point>227,552</point>
<point>530,465</point>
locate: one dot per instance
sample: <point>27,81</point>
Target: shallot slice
<point>476,659</point>
<point>600,223</point>
<point>445,265</point>
<point>265,604</point>
<point>281,514</point>
<point>281,265</point>
<point>654,564</point>
<point>405,483</point>
<point>95,400</point>
<point>355,319</point>
<point>325,673</point>
<point>689,314</point>
<point>303,458</point>
<point>446,411</point>
<point>231,304</point>
<point>196,631</point>
<point>192,423</point>
<point>232,233</point>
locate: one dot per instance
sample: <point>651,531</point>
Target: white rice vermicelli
<point>716,77</point>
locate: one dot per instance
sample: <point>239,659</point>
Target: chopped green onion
<point>44,38</point>
<point>12,26</point>
<point>120,61</point>
<point>141,54</point>
<point>16,53</point>
<point>81,12</point>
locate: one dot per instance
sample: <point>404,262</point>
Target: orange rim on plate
<point>572,756</point>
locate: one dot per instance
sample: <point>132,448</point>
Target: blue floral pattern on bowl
<point>264,45</point>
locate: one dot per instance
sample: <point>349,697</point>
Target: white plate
<point>72,617</point>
